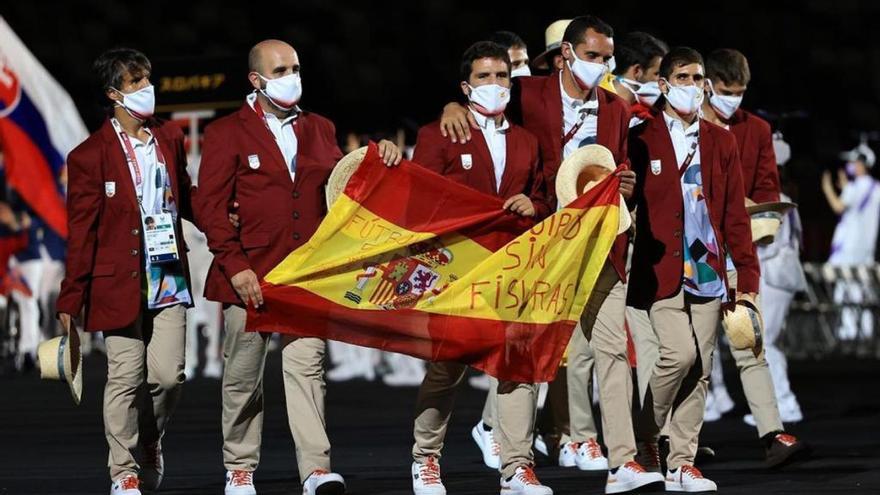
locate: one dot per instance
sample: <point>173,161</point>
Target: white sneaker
<point>629,477</point>
<point>426,478</point>
<point>480,382</point>
<point>648,456</point>
<point>568,454</point>
<point>723,403</point>
<point>524,482</point>
<point>711,413</point>
<point>590,458</point>
<point>541,445</point>
<point>126,485</point>
<point>152,466</point>
<point>790,411</point>
<point>488,446</point>
<point>322,482</point>
<point>213,369</point>
<point>688,479</point>
<point>240,483</point>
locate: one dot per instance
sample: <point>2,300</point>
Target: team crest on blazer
<point>467,162</point>
<point>253,161</point>
<point>110,189</point>
<point>656,167</point>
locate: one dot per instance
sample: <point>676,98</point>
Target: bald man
<point>273,159</point>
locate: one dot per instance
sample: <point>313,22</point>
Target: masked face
<point>587,75</point>
<point>140,104</point>
<point>724,105</point>
<point>522,70</point>
<point>284,92</point>
<point>686,100</point>
<point>489,99</point>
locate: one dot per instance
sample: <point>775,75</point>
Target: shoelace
<point>574,446</point>
<point>429,472</point>
<point>527,476</point>
<point>242,478</point>
<point>634,467</point>
<point>786,439</point>
<point>593,449</point>
<point>129,483</point>
<point>496,447</point>
<point>691,471</point>
<point>320,472</point>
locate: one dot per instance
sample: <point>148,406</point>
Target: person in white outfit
<point>855,236</point>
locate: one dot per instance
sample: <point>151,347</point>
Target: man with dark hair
<point>272,159</point>
<point>517,49</point>
<point>565,111</point>
<point>728,77</point>
<point>133,287</point>
<point>502,160</point>
<point>638,58</point>
<point>678,269</point>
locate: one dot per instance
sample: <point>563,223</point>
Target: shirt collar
<point>488,123</point>
<point>135,142</point>
<point>672,123</point>
<point>569,102</point>
<point>252,101</point>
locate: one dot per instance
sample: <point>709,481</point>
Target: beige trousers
<point>304,390</point>
<point>144,377</point>
<point>514,417</point>
<point>686,328</point>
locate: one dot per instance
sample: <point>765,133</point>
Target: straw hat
<point>766,219</point>
<point>744,327</point>
<point>61,359</point>
<point>343,171</point>
<point>552,41</point>
<point>582,170</point>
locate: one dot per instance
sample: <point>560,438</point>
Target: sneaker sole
<point>796,454</point>
<point>331,488</point>
<point>675,487</point>
<point>651,486</point>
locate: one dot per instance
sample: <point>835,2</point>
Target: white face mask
<point>521,71</point>
<point>726,106</point>
<point>139,104</point>
<point>587,75</point>
<point>284,92</point>
<point>648,93</point>
<point>489,99</point>
<point>686,100</point>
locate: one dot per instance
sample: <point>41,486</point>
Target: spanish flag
<point>408,261</point>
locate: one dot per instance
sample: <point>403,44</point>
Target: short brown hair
<point>678,56</point>
<point>728,66</point>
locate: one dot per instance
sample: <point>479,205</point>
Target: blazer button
<point>678,214</point>
<point>134,274</point>
<point>295,236</point>
<point>677,254</point>
<point>135,231</point>
<point>295,194</point>
<point>134,252</point>
<point>677,234</point>
<point>295,215</point>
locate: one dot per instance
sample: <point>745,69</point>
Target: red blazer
<point>536,104</point>
<point>277,215</point>
<point>657,265</point>
<point>522,171</point>
<point>760,176</point>
<point>105,265</point>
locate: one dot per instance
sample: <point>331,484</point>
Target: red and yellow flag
<point>408,261</point>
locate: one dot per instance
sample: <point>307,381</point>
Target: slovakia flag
<point>39,125</point>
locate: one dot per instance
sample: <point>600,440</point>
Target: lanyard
<point>575,128</point>
<point>132,160</point>
<point>690,157</point>
<point>262,114</point>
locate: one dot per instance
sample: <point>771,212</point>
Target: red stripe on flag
<point>521,352</point>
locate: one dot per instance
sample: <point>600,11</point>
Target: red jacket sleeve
<point>539,194</point>
<point>430,152</point>
<point>84,197</point>
<point>184,186</point>
<point>766,186</point>
<point>736,224</point>
<point>216,191</point>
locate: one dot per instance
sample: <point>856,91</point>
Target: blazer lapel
<point>116,160</point>
<point>257,129</point>
<point>481,148</point>
<point>707,158</point>
<point>552,97</point>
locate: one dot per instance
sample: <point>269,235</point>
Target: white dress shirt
<point>571,115</point>
<point>282,130</point>
<point>683,140</point>
<point>496,140</point>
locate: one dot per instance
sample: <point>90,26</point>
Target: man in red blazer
<point>566,110</point>
<point>130,284</point>
<point>501,160</point>
<point>691,212</point>
<point>272,159</point>
<point>727,71</point>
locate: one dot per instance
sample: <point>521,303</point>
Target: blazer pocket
<point>254,240</point>
<point>105,270</point>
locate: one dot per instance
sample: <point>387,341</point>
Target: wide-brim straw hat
<point>583,170</point>
<point>60,358</point>
<point>766,219</point>
<point>342,172</point>
<point>552,42</point>
<point>744,327</point>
